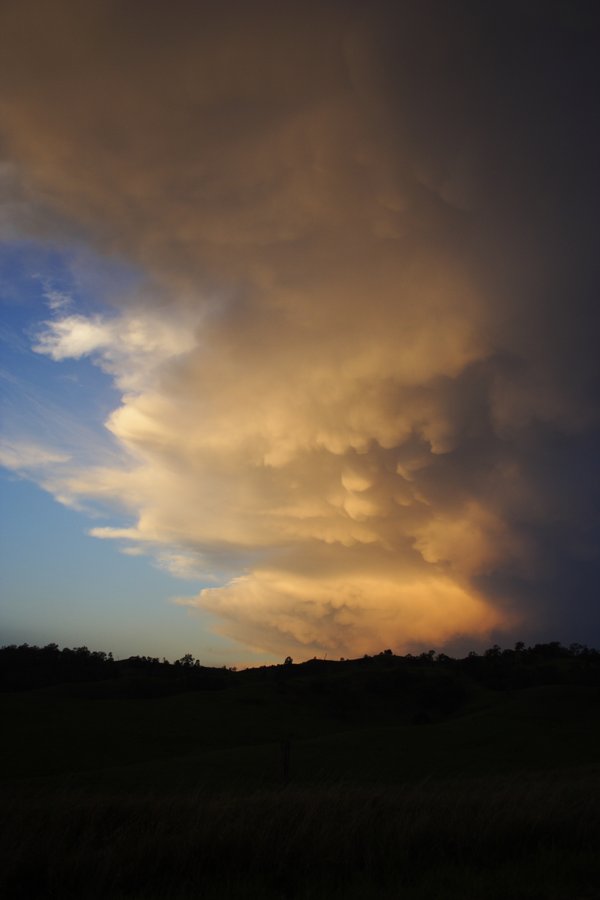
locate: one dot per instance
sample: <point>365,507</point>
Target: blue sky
<point>41,399</point>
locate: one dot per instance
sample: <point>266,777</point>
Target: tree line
<point>25,667</point>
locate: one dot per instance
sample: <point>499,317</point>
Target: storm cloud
<point>359,390</point>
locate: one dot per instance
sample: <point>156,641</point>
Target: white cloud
<point>130,347</point>
<point>73,337</point>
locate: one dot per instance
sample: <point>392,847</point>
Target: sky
<point>299,326</point>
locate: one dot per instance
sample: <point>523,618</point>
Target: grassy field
<point>199,739</point>
<point>185,796</point>
<point>468,838</point>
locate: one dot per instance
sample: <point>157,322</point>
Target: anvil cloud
<point>359,391</point>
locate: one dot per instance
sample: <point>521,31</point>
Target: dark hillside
<point>72,712</point>
<point>434,770</point>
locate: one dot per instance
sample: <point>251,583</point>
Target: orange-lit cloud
<point>328,391</point>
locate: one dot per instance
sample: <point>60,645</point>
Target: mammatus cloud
<point>302,475</point>
<point>342,397</point>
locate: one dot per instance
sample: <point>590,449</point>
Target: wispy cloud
<point>24,457</point>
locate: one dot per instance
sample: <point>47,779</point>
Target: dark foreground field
<point>379,779</point>
<point>495,837</point>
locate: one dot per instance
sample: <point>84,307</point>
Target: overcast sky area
<point>299,326</point>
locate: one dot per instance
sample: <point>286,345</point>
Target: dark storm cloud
<point>372,235</point>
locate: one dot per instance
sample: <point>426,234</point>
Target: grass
<point>181,797</point>
<point>523,838</point>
